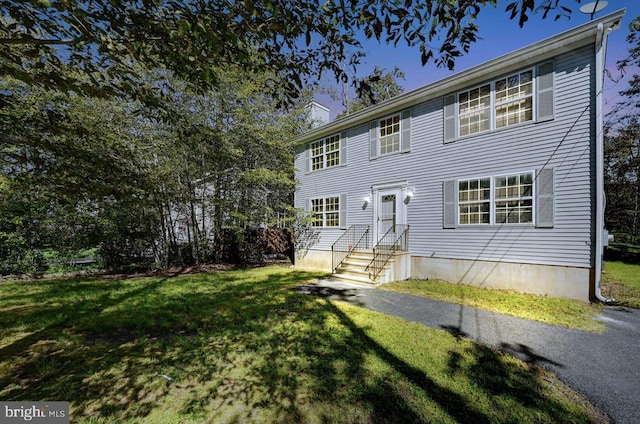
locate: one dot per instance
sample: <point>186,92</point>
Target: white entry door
<point>389,211</point>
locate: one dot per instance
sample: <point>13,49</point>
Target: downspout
<point>601,51</point>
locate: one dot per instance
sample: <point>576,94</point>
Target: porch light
<point>410,193</point>
<point>367,199</point>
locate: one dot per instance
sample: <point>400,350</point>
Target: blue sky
<point>499,36</point>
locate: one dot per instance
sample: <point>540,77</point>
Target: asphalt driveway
<point>603,367</point>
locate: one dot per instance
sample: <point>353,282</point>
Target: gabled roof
<point>547,48</point>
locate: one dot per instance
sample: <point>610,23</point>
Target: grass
<point>564,312</point>
<point>621,278</point>
<point>241,346</point>
<point>621,281</point>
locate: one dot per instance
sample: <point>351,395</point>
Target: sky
<point>499,35</point>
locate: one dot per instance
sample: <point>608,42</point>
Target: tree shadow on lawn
<point>233,347</point>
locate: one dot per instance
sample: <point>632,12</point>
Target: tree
<point>65,160</point>
<point>295,42</point>
<point>164,184</point>
<point>622,150</point>
<point>376,87</point>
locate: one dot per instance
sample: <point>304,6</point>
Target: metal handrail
<point>385,248</point>
<point>356,237</point>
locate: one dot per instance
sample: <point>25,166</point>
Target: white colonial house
<point>490,177</point>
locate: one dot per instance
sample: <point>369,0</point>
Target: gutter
<point>601,52</point>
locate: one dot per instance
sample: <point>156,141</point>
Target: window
<point>474,110</point>
<point>332,151</point>
<point>512,201</point>
<point>525,96</point>
<point>512,104</point>
<point>390,135</point>
<point>501,199</point>
<point>514,99</point>
<point>474,201</point>
<point>325,212</point>
<point>317,155</point>
<point>325,153</point>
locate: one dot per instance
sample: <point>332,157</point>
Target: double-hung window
<point>504,199</point>
<point>514,198</point>
<point>474,109</point>
<point>325,153</point>
<point>325,212</point>
<point>514,99</point>
<point>506,101</point>
<point>390,134</point>
<point>474,200</point>
<point>523,96</point>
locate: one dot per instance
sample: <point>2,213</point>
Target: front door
<point>387,216</point>
<point>388,211</point>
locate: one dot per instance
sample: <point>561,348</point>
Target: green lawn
<point>241,346</point>
<point>621,281</point>
<point>552,310</point>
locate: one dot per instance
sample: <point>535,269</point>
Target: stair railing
<point>395,239</point>
<point>356,237</point>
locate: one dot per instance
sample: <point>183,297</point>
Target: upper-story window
<point>325,153</point>
<point>501,103</point>
<point>390,134</point>
<point>524,96</point>
<point>514,99</point>
<point>474,109</point>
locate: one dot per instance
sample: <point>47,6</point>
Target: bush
<point>124,254</point>
<point>25,262</point>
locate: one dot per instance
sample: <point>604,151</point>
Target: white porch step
<point>353,268</point>
<point>351,277</point>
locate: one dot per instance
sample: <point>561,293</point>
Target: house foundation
<point>557,281</point>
